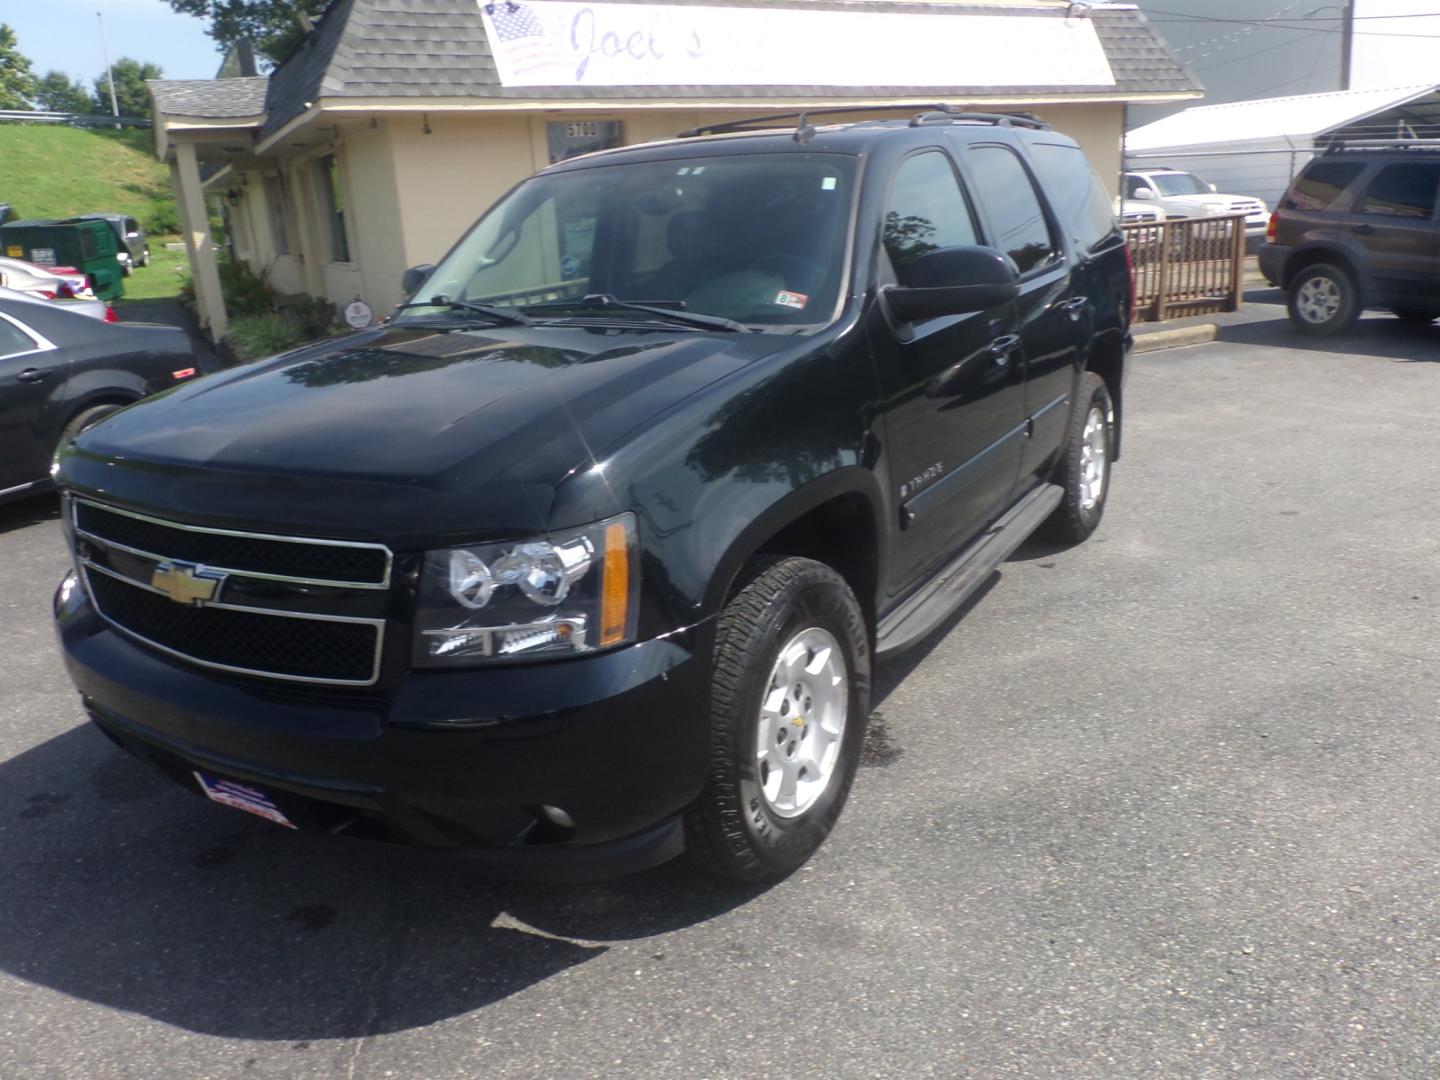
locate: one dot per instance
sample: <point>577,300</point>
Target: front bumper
<point>460,760</point>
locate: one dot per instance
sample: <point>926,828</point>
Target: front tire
<point>1084,468</point>
<point>790,695</point>
<point>1323,300</point>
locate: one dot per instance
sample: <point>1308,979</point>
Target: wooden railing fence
<point>1188,266</point>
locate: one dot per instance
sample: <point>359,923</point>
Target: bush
<point>318,317</point>
<point>246,292</point>
<point>162,220</point>
<point>254,336</point>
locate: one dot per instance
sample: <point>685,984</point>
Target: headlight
<point>573,592</point>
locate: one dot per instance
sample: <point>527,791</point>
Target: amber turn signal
<point>615,590</point>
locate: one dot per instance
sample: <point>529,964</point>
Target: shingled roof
<point>210,99</point>
<point>438,49</point>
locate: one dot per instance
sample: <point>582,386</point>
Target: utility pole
<point>109,74</point>
<point>1347,43</point>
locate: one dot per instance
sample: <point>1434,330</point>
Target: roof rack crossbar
<point>1382,144</point>
<point>925,113</point>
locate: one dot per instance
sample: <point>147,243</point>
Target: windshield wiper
<point>599,302</point>
<point>501,315</point>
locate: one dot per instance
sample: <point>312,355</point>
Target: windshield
<point>1180,183</point>
<point>758,238</point>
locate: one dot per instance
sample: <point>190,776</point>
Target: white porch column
<point>195,222</point>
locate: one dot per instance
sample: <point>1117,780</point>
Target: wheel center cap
<point>799,721</point>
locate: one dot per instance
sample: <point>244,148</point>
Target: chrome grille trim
<point>378,624</point>
<point>384,583</point>
<point>88,566</point>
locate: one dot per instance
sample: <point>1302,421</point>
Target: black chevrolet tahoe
<point>586,556</point>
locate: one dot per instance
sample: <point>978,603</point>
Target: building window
<point>279,226</point>
<point>334,208</point>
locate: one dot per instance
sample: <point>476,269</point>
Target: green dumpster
<point>89,246</point>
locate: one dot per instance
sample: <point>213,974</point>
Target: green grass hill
<point>49,171</point>
<point>54,172</point>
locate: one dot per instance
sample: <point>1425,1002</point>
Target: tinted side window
<point>1406,190</point>
<point>88,248</point>
<point>1321,185</point>
<point>1013,206</point>
<point>1079,198</point>
<point>927,210</point>
<point>13,341</point>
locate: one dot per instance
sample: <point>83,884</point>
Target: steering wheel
<point>792,270</point>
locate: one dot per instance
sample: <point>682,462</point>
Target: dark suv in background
<point>1359,228</point>
<point>585,556</point>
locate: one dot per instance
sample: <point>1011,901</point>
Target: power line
<point>1182,19</point>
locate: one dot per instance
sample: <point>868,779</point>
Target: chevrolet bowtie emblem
<point>181,583</point>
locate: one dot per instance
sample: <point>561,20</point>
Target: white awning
<point>1299,117</point>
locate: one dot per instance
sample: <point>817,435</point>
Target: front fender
<point>713,479</point>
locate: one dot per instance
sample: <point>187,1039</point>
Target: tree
<point>17,81</point>
<point>60,93</point>
<point>275,26</point>
<point>130,92</point>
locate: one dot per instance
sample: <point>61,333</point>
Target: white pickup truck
<point>1185,195</point>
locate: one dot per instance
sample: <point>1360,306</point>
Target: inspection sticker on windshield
<point>249,799</point>
<point>796,300</point>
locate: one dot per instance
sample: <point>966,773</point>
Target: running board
<point>938,598</point>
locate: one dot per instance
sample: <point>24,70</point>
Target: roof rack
<point>1340,145</point>
<point>925,114</point>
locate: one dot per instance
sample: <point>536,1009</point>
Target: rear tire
<point>1323,300</point>
<point>790,695</point>
<point>1084,468</point>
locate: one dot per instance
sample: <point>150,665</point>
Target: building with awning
<point>382,137</point>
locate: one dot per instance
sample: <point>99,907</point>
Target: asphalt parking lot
<point>1163,805</point>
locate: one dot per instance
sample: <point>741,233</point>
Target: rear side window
<point>1013,206</point>
<point>1080,200</point>
<point>13,340</point>
<point>88,248</point>
<point>1406,190</point>
<point>927,210</point>
<point>1321,185</point>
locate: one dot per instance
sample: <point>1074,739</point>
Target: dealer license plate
<point>242,797</point>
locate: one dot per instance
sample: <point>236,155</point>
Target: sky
<point>1411,56</point>
<point>64,35</point>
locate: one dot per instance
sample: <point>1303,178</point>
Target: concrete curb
<point>1151,340</point>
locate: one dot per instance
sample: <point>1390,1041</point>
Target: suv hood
<point>395,431</point>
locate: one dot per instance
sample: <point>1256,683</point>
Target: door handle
<point>1074,307</point>
<point>31,374</point>
<point>1003,346</point>
<point>1364,230</point>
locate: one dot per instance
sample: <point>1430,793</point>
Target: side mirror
<point>1145,193</point>
<point>415,277</point>
<point>953,281</point>
<point>1212,188</point>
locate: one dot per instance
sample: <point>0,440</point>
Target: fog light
<point>557,817</point>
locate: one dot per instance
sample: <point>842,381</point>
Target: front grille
<point>328,561</point>
<point>300,648</point>
<point>279,607</point>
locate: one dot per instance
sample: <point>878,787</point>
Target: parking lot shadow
<point>23,513</point>
<point>1382,336</point>
<point>121,889</point>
